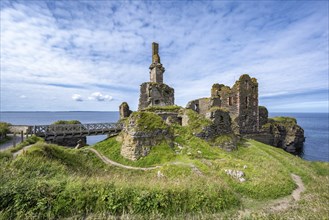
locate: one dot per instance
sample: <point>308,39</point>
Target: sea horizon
<point>136,110</point>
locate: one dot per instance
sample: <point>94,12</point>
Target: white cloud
<point>22,96</point>
<point>77,97</point>
<point>100,97</point>
<point>64,48</point>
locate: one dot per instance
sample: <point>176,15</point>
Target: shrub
<point>69,122</point>
<point>4,128</point>
<point>30,140</point>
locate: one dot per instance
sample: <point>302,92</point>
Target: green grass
<point>68,122</point>
<point>281,119</point>
<point>53,182</point>
<point>196,121</point>
<point>147,121</point>
<point>28,141</point>
<point>170,108</point>
<point>159,154</point>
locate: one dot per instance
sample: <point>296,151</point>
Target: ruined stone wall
<point>221,120</point>
<point>201,106</point>
<point>241,101</point>
<point>248,104</point>
<point>155,94</point>
<point>140,134</point>
<point>229,100</point>
<point>156,73</point>
<point>156,68</point>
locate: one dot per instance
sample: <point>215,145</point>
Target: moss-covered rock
<point>141,132</point>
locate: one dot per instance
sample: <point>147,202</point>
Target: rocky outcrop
<point>124,110</point>
<point>141,132</point>
<point>283,132</point>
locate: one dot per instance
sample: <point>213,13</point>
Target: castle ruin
<point>229,111</point>
<point>155,92</point>
<point>240,101</point>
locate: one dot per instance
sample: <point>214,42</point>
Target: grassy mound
<point>147,121</point>
<point>52,182</point>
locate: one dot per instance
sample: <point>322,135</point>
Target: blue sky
<point>93,55</point>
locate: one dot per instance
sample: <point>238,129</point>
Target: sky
<point>93,55</point>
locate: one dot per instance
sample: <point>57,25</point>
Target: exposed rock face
<point>155,94</point>
<point>285,134</point>
<point>142,131</point>
<point>124,110</point>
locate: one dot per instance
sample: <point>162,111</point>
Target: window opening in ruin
<point>221,119</point>
<point>197,107</point>
<point>180,120</point>
<point>230,101</point>
<point>157,102</point>
<point>247,101</point>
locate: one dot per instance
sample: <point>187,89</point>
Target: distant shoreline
<point>118,111</point>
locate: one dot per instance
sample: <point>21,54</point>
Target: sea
<point>315,125</point>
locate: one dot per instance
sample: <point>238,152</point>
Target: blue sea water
<point>316,147</point>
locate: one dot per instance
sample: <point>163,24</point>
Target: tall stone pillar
<point>156,68</point>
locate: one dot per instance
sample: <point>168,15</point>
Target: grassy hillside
<point>51,182</point>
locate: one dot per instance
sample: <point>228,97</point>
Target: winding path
<point>21,151</point>
<point>108,161</point>
<point>111,162</point>
<point>285,203</point>
<point>281,204</point>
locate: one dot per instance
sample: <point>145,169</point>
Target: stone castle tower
<point>155,92</point>
<point>240,102</point>
<point>156,68</point>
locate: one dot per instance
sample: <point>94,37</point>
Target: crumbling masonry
<point>240,101</point>
<point>155,92</point>
<point>231,112</point>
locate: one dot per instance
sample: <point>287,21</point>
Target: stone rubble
<point>237,174</point>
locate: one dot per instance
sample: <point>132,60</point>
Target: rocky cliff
<point>283,132</point>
